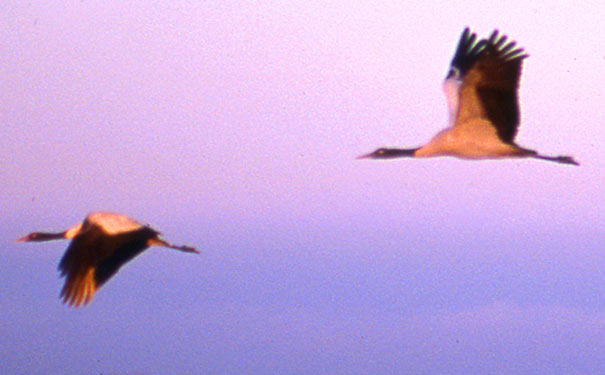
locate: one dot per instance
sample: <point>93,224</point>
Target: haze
<point>234,127</point>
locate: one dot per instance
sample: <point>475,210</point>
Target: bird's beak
<point>22,239</point>
<point>366,156</point>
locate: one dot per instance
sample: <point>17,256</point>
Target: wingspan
<point>489,89</point>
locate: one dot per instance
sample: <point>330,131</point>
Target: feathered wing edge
<point>500,69</point>
<point>89,255</point>
<point>77,267</point>
<point>95,257</point>
<point>467,52</point>
<point>507,52</point>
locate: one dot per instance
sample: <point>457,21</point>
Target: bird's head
<point>32,237</point>
<point>40,236</point>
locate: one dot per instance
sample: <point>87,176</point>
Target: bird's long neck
<point>45,236</point>
<point>392,153</point>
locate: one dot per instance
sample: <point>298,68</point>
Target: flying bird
<point>481,91</point>
<point>99,246</point>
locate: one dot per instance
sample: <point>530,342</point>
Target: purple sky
<point>235,127</point>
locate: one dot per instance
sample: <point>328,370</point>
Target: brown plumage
<point>481,90</point>
<point>495,77</point>
<point>100,245</point>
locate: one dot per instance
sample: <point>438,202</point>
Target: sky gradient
<point>234,127</point>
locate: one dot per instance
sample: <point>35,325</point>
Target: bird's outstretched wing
<point>124,247</point>
<point>94,256</point>
<point>78,265</point>
<point>489,89</point>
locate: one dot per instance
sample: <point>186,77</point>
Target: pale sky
<point>234,127</point>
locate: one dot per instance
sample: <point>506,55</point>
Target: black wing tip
<point>497,44</point>
<point>469,49</point>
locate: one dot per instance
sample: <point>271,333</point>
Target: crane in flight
<point>99,246</point>
<point>481,92</point>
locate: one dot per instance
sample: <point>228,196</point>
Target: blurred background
<point>233,126</point>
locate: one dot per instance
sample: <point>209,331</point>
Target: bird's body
<point>481,92</point>
<point>100,245</point>
<point>474,139</point>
